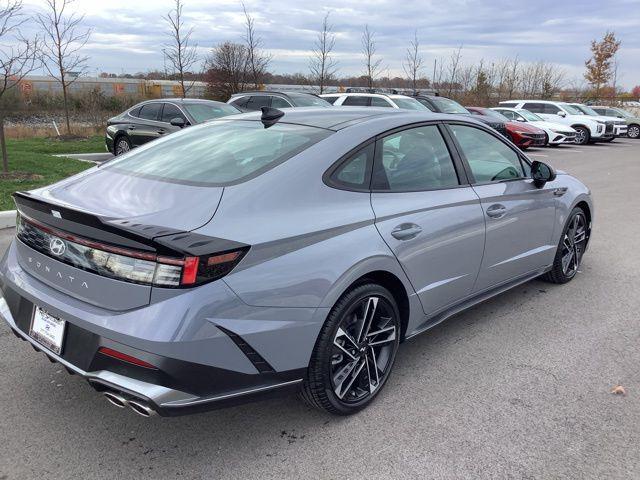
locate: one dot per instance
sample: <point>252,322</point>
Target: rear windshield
<point>219,153</point>
<point>447,105</point>
<point>201,112</point>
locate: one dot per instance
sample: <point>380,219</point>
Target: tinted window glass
<point>331,99</point>
<point>415,159</point>
<point>490,159</point>
<point>218,153</point>
<point>258,101</point>
<point>356,101</point>
<point>150,111</point>
<point>426,104</point>
<point>380,102</point>
<point>306,100</point>
<point>241,102</point>
<point>446,105</point>
<point>409,104</point>
<point>135,112</point>
<point>201,112</point>
<point>277,102</point>
<point>509,114</point>
<point>353,172</point>
<point>169,112</point>
<point>509,104</point>
<point>535,107</point>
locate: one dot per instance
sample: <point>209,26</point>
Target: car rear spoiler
<point>119,231</point>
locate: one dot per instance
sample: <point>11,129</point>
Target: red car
<point>522,134</point>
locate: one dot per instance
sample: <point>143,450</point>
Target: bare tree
<point>372,65</point>
<point>322,65</point>
<point>413,61</point>
<point>180,52</point>
<point>61,45</point>
<point>454,64</point>
<point>257,60</point>
<point>17,59</point>
<point>227,70</point>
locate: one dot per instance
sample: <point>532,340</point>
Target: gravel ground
<point>518,387</point>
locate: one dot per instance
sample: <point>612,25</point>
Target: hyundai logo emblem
<point>57,246</point>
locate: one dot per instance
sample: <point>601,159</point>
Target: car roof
<point>337,118</point>
<point>179,100</point>
<point>271,92</point>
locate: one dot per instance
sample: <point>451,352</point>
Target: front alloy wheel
<point>355,351</point>
<point>582,135</point>
<point>633,131</point>
<point>573,244</point>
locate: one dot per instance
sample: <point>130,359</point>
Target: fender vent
<point>254,357</point>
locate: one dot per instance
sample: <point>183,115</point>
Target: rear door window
<point>380,102</point>
<point>150,111</point>
<point>357,101</point>
<point>256,102</point>
<point>535,107</point>
<point>415,159</point>
<point>170,111</point>
<point>278,102</point>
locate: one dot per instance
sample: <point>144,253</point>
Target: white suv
<point>587,129</point>
<point>619,126</point>
<point>373,100</point>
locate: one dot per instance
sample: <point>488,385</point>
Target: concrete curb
<point>7,219</point>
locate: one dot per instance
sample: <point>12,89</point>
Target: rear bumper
<point>201,365</point>
<point>111,375</point>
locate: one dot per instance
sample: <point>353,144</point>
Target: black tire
<point>339,355</point>
<point>574,235</point>
<point>583,135</point>
<point>121,145</point>
<point>633,131</point>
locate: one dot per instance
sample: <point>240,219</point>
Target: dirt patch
<point>20,176</point>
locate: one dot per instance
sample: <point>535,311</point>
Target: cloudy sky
<point>128,35</point>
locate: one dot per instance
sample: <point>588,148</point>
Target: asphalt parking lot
<point>518,387</point>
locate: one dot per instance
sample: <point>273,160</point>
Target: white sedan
<point>557,133</point>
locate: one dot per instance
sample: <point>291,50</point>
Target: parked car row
<point>527,123</point>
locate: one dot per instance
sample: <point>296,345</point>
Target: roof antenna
<point>270,116</point>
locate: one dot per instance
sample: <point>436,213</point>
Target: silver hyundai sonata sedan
<point>272,251</point>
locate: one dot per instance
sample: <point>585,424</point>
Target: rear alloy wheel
<point>582,135</point>
<point>633,131</point>
<point>573,243</point>
<point>355,351</point>
<point>123,145</point>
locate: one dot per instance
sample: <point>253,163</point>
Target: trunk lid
<point>110,209</point>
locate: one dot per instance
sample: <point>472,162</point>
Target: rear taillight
<point>125,264</point>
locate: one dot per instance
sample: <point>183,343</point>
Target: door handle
<point>162,131</point>
<point>496,210</point>
<point>131,127</point>
<point>406,231</point>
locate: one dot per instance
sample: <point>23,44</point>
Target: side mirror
<point>542,173</point>
<point>520,119</point>
<point>178,122</point>
<point>562,114</point>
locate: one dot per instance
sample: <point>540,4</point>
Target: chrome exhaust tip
<point>141,409</point>
<point>116,399</point>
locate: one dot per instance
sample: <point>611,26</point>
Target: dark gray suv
<point>250,101</point>
<point>153,119</point>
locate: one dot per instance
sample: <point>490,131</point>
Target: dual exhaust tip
<point>138,406</point>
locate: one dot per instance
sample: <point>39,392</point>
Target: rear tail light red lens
<point>109,352</point>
